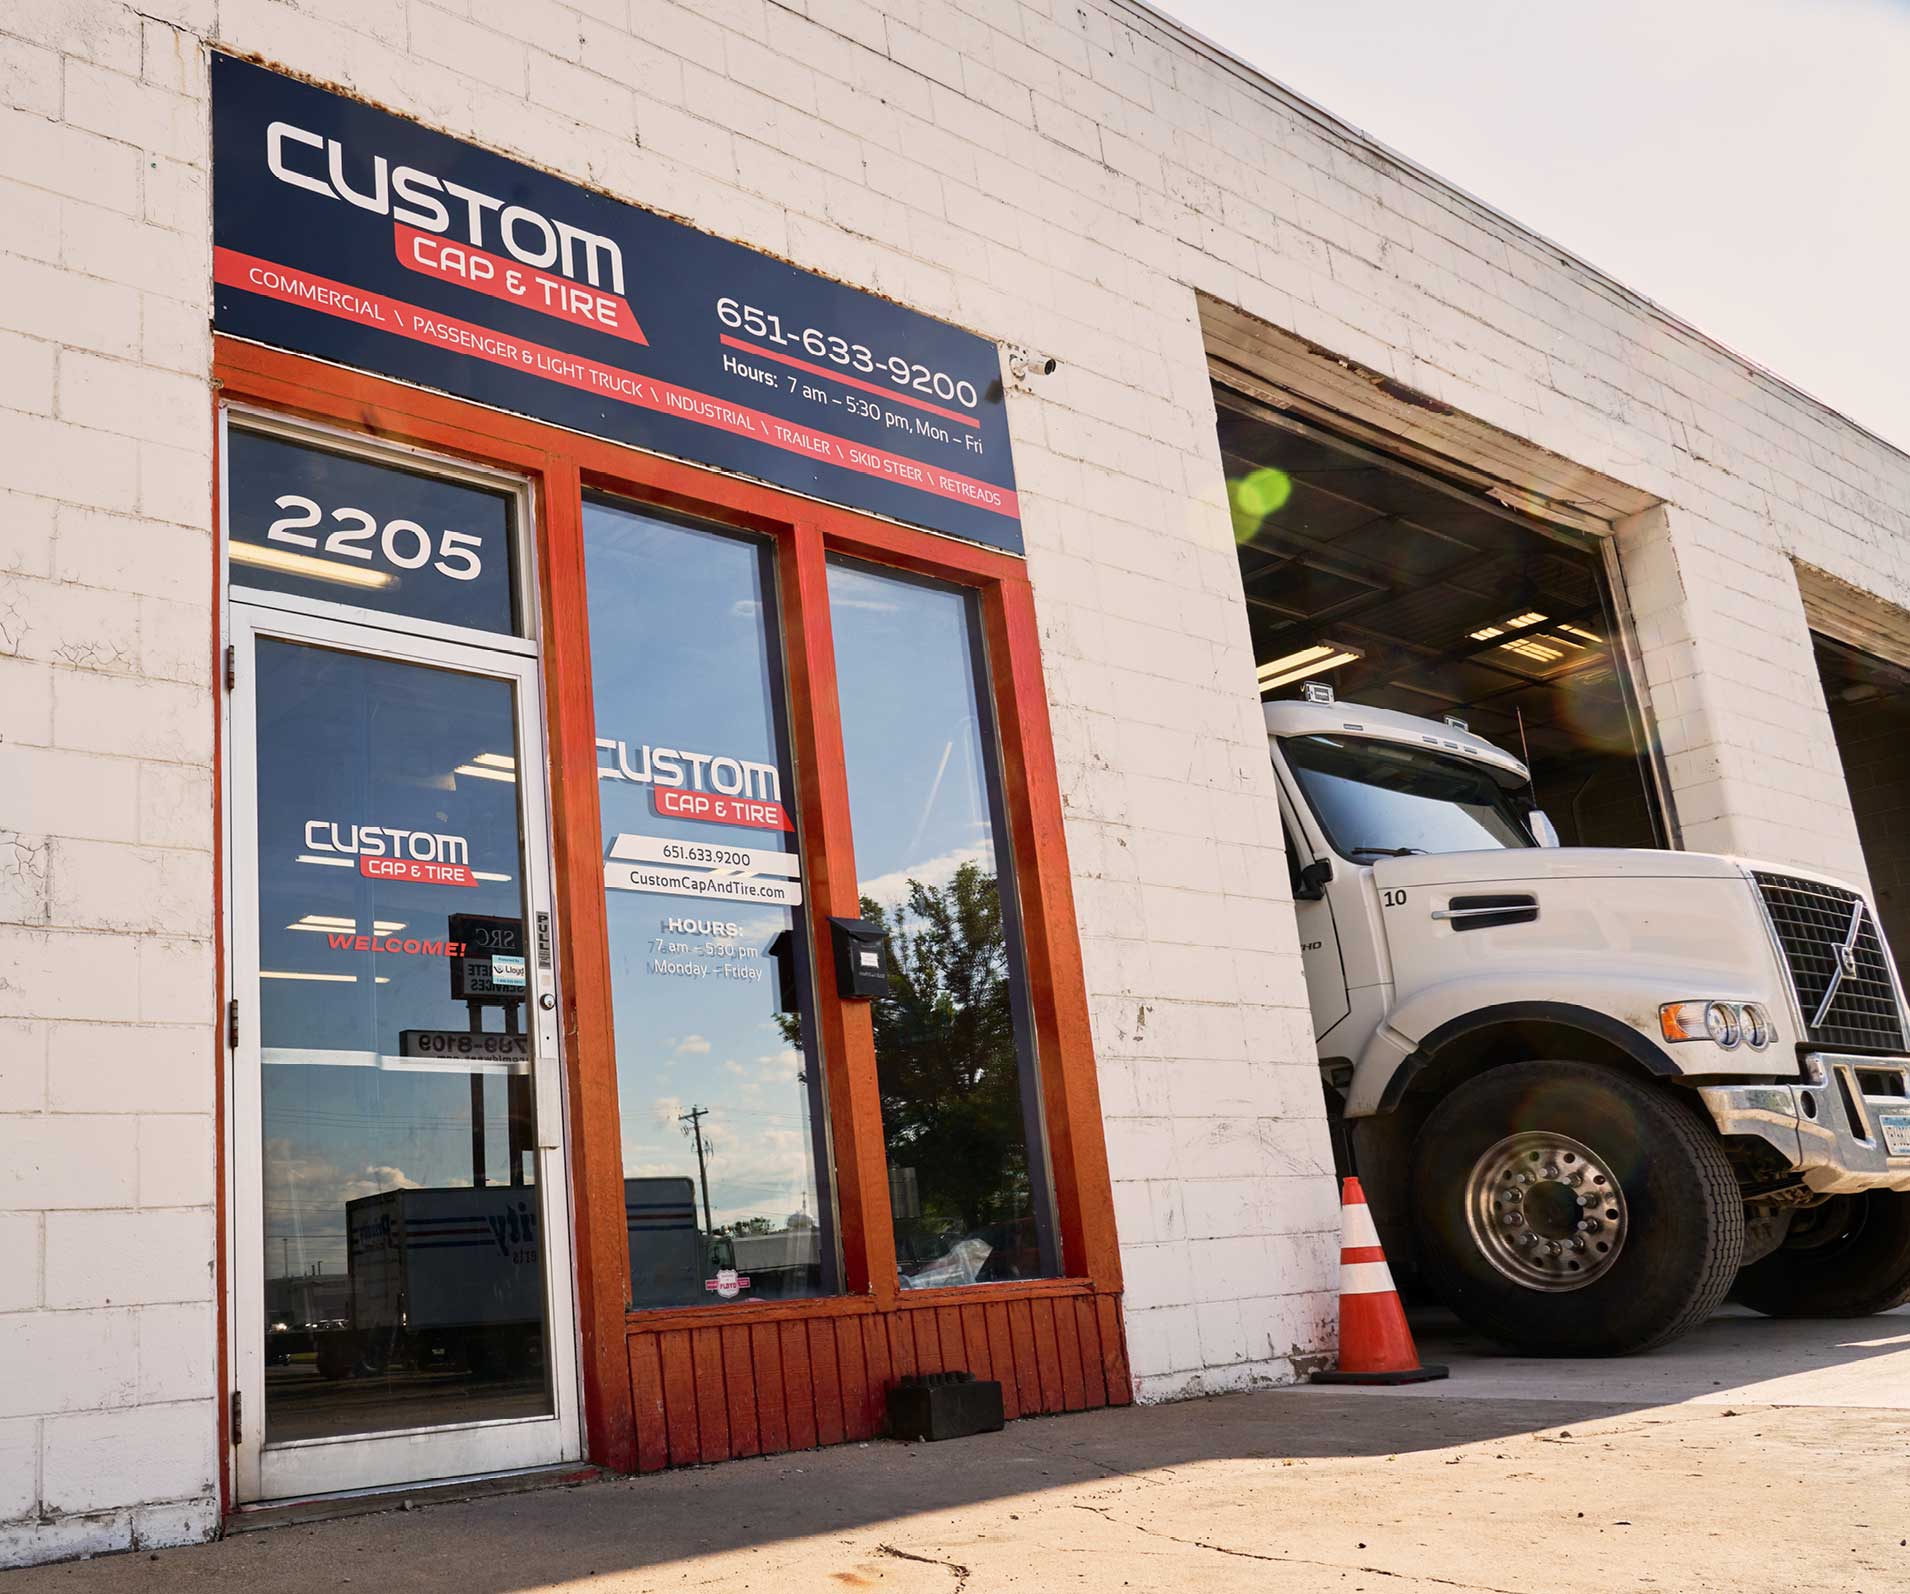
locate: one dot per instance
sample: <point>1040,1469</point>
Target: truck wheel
<point>1848,1257</point>
<point>1565,1210</point>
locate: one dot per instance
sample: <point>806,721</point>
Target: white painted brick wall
<point>1061,175</point>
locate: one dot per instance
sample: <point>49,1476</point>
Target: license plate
<point>1896,1132</point>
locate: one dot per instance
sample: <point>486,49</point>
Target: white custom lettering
<point>593,245</point>
<point>508,224</point>
<point>665,766</point>
<point>312,843</point>
<point>379,199</point>
<point>429,212</point>
<point>667,771</point>
<point>733,785</point>
<point>477,204</point>
<point>275,137</point>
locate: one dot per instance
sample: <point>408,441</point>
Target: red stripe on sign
<point>851,381</point>
<point>498,278</point>
<point>1362,1253</point>
<point>722,810</point>
<point>231,269</point>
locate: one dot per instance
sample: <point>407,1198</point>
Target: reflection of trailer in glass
<point>669,1255</point>
<point>441,1276</point>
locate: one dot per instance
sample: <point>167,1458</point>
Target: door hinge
<point>231,666</point>
<point>238,1419</point>
<point>232,1023</point>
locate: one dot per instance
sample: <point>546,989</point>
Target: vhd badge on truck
<point>353,235</point>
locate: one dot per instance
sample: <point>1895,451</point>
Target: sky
<point>1740,162</point>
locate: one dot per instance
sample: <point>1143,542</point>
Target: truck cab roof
<point>1296,717</point>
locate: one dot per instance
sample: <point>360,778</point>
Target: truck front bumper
<point>1836,1126</point>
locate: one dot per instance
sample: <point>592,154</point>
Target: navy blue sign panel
<point>356,236</point>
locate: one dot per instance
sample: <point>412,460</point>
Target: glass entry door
<point>401,1239</point>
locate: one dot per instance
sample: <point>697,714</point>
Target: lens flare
<point>1255,496</point>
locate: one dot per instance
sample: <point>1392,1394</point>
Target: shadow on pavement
<point>635,1527</point>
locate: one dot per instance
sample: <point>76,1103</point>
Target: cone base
<point>1410,1375</point>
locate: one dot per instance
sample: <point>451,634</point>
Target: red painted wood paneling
<point>828,1382</point>
<point>902,1344</point>
<point>712,1406</point>
<point>1047,1355</point>
<point>1068,1347</point>
<point>1021,1329</point>
<point>1001,1351</point>
<point>928,1342</point>
<point>799,1386</point>
<point>1094,1376</point>
<point>679,1398</point>
<point>739,1376</point>
<point>772,1412</point>
<point>875,1353</point>
<point>975,1340</point>
<point>646,1400</point>
<point>852,1368</point>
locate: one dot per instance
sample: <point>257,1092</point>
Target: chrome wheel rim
<point>1546,1211</point>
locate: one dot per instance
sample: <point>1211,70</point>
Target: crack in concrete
<point>1292,1560</point>
<point>961,1572</point>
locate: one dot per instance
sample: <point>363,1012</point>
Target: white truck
<point>1588,1090</point>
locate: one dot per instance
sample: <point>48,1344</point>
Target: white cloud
<point>892,890</point>
<point>692,1046</point>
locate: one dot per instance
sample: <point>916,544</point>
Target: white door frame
<point>357,1462</point>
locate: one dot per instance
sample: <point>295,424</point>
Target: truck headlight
<point>1721,1022</point>
<point>1757,1026</point>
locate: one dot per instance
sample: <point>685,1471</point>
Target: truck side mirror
<point>1544,832</point>
<point>1312,880</point>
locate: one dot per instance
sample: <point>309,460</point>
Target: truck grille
<point>1812,921</point>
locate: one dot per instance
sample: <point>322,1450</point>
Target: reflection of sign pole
<point>694,1118</point>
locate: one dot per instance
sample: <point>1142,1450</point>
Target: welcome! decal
<point>353,235</point>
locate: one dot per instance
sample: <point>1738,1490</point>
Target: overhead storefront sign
<point>356,236</point>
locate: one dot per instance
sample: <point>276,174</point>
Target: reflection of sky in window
<point>350,740</point>
<point>909,728</point>
<point>680,658</point>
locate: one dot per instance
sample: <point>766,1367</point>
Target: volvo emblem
<point>1847,960</point>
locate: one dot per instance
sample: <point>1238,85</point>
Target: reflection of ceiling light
<point>479,874</point>
<point>1308,661</point>
<point>323,924</point>
<point>330,863</point>
<point>1579,631</point>
<point>1488,633</point>
<point>292,974</point>
<point>496,760</point>
<point>1531,649</point>
<point>1532,617</point>
<point>482,773</point>
<point>303,564</point>
<point>386,926</point>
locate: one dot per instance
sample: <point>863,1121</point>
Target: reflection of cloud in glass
<point>892,890</point>
<point>692,1046</point>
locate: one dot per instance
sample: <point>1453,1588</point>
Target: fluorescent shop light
<point>496,760</point>
<point>482,773</point>
<point>294,974</point>
<point>1580,631</point>
<point>330,863</point>
<point>479,874</point>
<point>1308,661</point>
<point>1487,633</point>
<point>1519,621</point>
<point>303,564</point>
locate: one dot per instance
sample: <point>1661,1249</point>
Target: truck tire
<point>1567,1210</point>
<point>1848,1257</point>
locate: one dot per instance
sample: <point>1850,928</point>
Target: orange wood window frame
<point>562,466</point>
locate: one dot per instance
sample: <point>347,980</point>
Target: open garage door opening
<point>1869,703</point>
<point>1406,592</point>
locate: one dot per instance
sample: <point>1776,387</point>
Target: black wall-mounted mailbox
<point>862,959</point>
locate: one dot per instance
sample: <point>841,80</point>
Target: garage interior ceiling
<point>1433,601</point>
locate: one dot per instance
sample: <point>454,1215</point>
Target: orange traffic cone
<point>1376,1346</point>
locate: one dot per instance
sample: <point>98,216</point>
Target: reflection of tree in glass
<point>945,1055</point>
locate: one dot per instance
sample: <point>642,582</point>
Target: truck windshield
<point>1379,799</point>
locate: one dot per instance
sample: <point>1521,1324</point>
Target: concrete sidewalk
<point>1756,1456</point>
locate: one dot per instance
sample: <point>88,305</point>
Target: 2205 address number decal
<point>404,543</point>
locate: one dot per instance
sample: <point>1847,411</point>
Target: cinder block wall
<point>1059,173</point>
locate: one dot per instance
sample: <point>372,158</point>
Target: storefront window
<point>719,1092</point>
<point>954,1053</point>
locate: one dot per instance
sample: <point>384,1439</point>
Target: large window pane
<point>721,1099</point>
<point>960,1097</point>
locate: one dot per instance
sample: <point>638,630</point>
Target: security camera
<point>1024,363</point>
